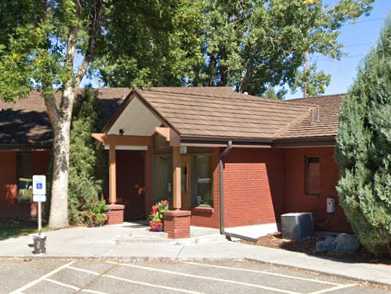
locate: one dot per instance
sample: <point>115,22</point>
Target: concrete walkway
<point>132,240</point>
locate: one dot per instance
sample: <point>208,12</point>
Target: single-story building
<point>230,159</point>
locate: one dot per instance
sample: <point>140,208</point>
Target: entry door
<point>130,183</point>
<point>186,181</point>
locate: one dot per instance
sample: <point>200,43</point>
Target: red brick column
<point>115,214</point>
<point>177,223</point>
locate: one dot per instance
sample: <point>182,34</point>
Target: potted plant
<point>157,215</point>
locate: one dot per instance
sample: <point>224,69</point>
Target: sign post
<point>39,195</point>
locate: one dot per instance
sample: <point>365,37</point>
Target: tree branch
<point>52,109</point>
<point>91,47</point>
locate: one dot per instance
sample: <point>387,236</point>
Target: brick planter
<point>115,214</point>
<point>177,223</point>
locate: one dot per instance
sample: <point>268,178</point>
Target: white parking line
<point>92,291</point>
<point>152,285</point>
<point>73,287</point>
<point>32,283</point>
<point>334,289</point>
<point>83,270</point>
<point>263,272</point>
<point>62,284</point>
<point>204,277</point>
<point>134,281</point>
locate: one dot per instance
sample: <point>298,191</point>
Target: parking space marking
<point>152,285</point>
<point>134,281</point>
<point>334,288</point>
<point>83,270</point>
<point>204,277</point>
<point>62,284</point>
<point>93,291</point>
<point>32,283</point>
<point>263,272</point>
<point>73,287</point>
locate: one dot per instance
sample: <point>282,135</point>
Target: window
<point>201,181</point>
<point>312,176</point>
<point>162,177</point>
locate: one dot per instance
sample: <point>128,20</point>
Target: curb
<point>302,268</point>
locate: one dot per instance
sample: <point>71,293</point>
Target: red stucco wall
<point>9,207</point>
<point>296,200</point>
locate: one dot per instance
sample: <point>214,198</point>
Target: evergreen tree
<point>84,187</point>
<point>364,150</point>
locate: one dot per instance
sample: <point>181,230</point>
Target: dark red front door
<point>130,183</point>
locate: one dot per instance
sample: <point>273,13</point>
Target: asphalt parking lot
<point>114,276</point>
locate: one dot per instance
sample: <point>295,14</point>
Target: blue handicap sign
<point>39,186</point>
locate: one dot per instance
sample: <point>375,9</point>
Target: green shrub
<point>364,150</point>
<point>85,205</point>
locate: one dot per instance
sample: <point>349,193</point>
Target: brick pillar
<point>115,214</point>
<point>177,224</point>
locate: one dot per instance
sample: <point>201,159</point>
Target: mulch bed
<point>308,246</point>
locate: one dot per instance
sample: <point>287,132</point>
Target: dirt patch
<point>308,246</point>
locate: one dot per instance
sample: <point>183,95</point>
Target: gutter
<point>221,184</point>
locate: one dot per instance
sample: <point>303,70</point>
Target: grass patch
<point>13,228</point>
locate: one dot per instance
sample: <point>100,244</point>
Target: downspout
<point>221,184</point>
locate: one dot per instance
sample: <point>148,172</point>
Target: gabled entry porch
<point>147,163</point>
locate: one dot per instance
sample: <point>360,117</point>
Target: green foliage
<point>261,44</point>
<point>151,42</point>
<point>85,205</point>
<point>364,150</point>
<point>255,45</point>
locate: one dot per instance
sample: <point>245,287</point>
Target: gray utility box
<point>297,225</point>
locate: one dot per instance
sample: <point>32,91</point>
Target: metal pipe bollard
<point>39,244</point>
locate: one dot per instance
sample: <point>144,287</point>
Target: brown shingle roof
<point>199,112</point>
<point>223,114</point>
<point>326,126</point>
<point>25,121</point>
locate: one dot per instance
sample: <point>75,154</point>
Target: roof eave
<point>314,141</point>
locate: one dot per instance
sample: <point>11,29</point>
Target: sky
<point>357,39</point>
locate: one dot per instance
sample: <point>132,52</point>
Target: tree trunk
<point>61,147</point>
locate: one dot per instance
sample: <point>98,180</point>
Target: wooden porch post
<point>176,166</point>
<point>112,176</point>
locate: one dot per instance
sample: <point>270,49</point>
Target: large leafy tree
<point>364,150</point>
<point>52,45</point>
<point>163,48</point>
<point>256,45</point>
<point>261,44</point>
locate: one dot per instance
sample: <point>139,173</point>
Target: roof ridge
<point>295,121</point>
<point>234,95</point>
<point>316,97</point>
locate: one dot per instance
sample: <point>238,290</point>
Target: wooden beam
<point>122,139</point>
<point>170,135</point>
<point>177,191</point>
<point>112,176</point>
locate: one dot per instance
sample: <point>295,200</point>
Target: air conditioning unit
<point>297,225</point>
